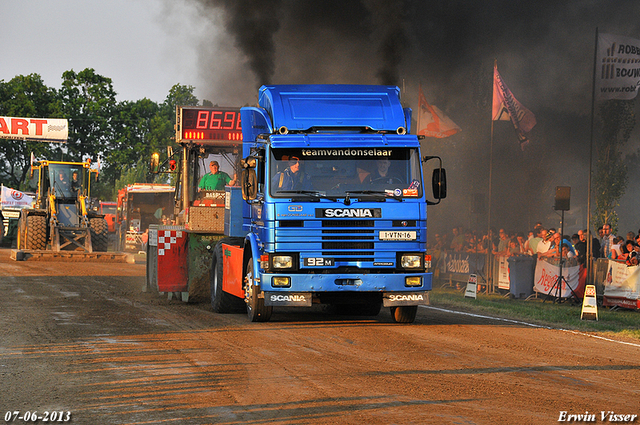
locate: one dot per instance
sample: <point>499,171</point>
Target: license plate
<point>386,235</point>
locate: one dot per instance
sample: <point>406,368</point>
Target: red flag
<point>432,122</point>
<point>507,107</point>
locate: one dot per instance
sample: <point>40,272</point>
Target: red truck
<point>109,211</point>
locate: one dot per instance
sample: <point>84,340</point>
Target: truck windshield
<point>340,172</point>
<point>66,180</point>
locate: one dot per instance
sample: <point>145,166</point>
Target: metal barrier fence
<point>451,268</point>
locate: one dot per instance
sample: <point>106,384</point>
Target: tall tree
<point>618,120</point>
<point>88,101</point>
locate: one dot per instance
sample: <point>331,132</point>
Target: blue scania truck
<point>334,210</point>
<point>331,206</point>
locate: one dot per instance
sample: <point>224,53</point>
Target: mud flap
<point>290,299</point>
<point>396,299</point>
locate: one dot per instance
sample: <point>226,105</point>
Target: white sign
<point>504,280</point>
<point>12,198</point>
<point>472,287</point>
<point>618,70</point>
<point>589,304</point>
<point>37,129</point>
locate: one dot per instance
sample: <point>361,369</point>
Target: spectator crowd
<point>542,242</point>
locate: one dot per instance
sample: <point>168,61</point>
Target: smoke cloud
<point>544,51</point>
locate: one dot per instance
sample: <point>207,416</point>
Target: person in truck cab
<point>381,174</point>
<point>215,179</point>
<point>292,178</point>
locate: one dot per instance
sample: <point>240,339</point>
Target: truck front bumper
<point>392,287</point>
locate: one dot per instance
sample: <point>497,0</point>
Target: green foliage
<point>610,179</point>
<point>89,102</point>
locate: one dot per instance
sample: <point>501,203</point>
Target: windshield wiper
<point>312,193</point>
<point>375,193</point>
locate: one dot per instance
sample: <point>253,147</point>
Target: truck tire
<point>404,314</point>
<point>99,228</point>
<point>36,232</point>
<point>256,310</point>
<point>223,302</point>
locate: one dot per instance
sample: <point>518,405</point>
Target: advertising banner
<point>547,275</point>
<point>35,129</point>
<point>504,281</point>
<point>618,74</point>
<point>12,198</point>
<point>462,262</point>
<point>622,285</point>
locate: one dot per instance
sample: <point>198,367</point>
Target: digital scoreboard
<point>202,124</point>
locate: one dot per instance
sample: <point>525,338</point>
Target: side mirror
<point>438,180</point>
<point>439,183</point>
<point>154,165</point>
<point>249,183</point>
<point>249,162</point>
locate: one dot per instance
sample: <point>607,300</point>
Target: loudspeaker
<point>563,198</point>
<point>477,203</point>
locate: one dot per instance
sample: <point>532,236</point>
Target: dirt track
<point>85,338</point>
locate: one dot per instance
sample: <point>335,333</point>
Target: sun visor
<point>301,107</point>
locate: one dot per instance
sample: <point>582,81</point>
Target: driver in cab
<point>381,174</point>
<point>292,178</point>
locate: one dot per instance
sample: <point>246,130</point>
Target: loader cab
<point>65,181</point>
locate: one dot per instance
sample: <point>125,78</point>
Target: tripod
<point>558,283</point>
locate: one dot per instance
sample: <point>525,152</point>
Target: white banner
<point>12,198</point>
<point>618,67</point>
<point>36,129</point>
<point>547,275</point>
<point>622,281</point>
<point>504,281</point>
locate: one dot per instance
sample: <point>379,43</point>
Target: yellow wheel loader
<point>60,219</point>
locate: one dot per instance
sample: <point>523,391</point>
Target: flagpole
<point>419,106</point>
<point>589,258</point>
<point>490,241</point>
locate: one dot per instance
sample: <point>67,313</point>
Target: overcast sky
<point>144,46</point>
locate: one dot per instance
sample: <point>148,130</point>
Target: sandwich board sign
<point>472,287</point>
<point>589,304</point>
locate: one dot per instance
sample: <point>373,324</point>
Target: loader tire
<point>99,234</point>
<point>36,232</point>
<point>223,302</point>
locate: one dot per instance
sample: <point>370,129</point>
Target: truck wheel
<point>99,234</point>
<point>222,302</point>
<point>404,314</point>
<point>36,232</point>
<point>256,310</point>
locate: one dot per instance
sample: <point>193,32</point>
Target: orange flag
<point>506,107</point>
<point>432,122</point>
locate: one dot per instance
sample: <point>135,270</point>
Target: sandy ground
<point>85,338</point>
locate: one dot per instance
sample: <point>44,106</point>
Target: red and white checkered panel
<point>167,238</point>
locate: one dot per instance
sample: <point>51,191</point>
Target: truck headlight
<point>411,261</point>
<point>282,261</point>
